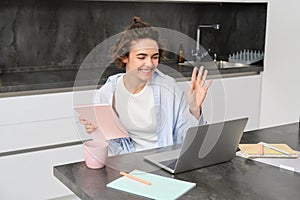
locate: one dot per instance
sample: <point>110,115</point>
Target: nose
<point>149,62</point>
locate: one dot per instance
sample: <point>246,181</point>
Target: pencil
<point>261,150</point>
<point>136,178</point>
<point>276,149</point>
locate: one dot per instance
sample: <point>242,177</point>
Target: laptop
<point>203,146</point>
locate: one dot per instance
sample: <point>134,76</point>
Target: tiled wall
<point>61,33</point>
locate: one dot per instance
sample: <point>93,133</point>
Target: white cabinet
<point>38,120</point>
<point>232,98</point>
<point>30,175</point>
<point>35,122</point>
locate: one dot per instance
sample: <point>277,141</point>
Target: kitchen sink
<point>216,64</point>
<point>224,64</point>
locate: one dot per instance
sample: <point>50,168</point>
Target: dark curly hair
<point>137,30</point>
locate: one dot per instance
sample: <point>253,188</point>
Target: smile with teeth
<point>147,70</point>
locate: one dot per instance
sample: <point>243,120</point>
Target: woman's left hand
<point>198,90</point>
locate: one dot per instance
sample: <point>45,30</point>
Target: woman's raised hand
<point>198,90</point>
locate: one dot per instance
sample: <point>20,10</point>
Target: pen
<point>275,148</point>
<point>136,178</point>
<point>261,150</point>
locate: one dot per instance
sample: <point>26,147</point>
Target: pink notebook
<point>105,118</point>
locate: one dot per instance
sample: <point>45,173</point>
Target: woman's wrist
<point>196,112</point>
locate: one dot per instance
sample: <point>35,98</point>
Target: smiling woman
<point>149,104</point>
<point>138,51</point>
<point>140,64</point>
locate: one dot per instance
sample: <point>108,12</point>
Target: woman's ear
<point>125,60</point>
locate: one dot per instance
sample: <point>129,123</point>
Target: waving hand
<point>197,92</point>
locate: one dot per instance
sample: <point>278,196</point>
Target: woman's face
<point>143,59</point>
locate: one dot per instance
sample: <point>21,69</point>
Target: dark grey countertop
<point>240,179</point>
<point>43,81</point>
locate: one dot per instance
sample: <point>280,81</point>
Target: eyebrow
<point>144,54</point>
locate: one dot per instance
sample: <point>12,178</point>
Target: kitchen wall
<point>61,33</point>
<point>280,79</point>
<point>280,98</point>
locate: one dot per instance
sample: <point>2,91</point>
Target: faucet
<point>197,54</point>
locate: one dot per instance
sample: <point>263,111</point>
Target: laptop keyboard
<point>170,163</point>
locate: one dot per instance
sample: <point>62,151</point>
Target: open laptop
<point>203,146</point>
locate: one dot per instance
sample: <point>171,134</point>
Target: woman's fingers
<point>199,77</point>
<point>193,78</point>
<point>89,127</point>
<point>204,78</point>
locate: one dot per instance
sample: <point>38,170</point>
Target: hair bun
<point>137,23</point>
<point>136,20</point>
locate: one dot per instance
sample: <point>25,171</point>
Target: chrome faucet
<point>198,53</point>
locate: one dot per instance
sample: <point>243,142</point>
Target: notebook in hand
<point>256,151</point>
<point>105,118</point>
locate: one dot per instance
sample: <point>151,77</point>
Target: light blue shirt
<point>171,107</point>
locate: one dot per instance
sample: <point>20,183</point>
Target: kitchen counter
<point>63,80</point>
<point>241,179</point>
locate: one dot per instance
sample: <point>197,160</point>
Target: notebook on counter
<point>255,151</point>
<point>161,187</point>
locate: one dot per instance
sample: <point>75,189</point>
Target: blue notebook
<point>161,188</point>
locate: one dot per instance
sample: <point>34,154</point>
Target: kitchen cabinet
<point>30,127</point>
<point>30,175</point>
<point>38,120</point>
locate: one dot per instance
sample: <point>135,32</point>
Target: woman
<point>149,104</point>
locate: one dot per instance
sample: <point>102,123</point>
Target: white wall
<point>280,99</point>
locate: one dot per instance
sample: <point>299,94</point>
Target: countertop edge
<point>13,91</point>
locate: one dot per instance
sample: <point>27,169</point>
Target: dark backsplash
<point>62,33</point>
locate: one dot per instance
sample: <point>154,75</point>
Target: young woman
<point>149,104</point>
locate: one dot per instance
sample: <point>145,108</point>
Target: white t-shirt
<point>137,114</point>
